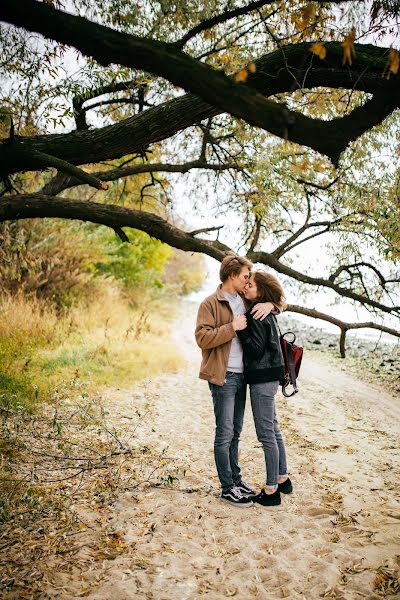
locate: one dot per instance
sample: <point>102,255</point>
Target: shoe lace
<point>236,492</point>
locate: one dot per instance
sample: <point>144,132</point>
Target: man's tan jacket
<point>214,334</point>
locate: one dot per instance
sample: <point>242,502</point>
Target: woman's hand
<point>262,310</point>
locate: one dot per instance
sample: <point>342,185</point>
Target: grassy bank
<point>104,341</point>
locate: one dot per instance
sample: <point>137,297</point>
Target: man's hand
<point>239,322</point>
<point>262,310</point>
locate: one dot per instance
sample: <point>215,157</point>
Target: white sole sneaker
<point>239,504</point>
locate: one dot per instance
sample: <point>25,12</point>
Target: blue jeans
<point>268,433</point>
<point>229,404</point>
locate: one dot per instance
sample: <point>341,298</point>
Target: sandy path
<point>327,539</point>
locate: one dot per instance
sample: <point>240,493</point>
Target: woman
<point>263,370</point>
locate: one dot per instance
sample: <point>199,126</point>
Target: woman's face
<point>250,290</point>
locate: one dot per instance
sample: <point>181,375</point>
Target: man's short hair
<point>232,265</point>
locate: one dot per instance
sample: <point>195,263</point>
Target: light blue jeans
<point>268,433</point>
<point>229,404</point>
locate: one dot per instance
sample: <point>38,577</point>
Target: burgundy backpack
<point>292,356</point>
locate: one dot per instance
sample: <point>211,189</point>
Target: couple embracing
<point>238,334</point>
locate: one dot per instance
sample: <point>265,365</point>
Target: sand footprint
<point>320,512</point>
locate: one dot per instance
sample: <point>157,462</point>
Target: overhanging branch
<point>343,325</point>
<point>165,120</point>
<point>58,184</point>
<point>348,268</point>
<point>108,46</point>
<point>270,260</point>
<point>116,217</point>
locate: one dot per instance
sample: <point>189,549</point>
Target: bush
<point>44,259</point>
<point>76,305</point>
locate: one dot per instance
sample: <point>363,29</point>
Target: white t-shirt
<point>235,360</point>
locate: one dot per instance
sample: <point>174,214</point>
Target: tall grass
<point>98,341</point>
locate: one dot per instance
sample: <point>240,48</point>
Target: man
<point>219,317</point>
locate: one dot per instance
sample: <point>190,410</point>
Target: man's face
<point>239,281</point>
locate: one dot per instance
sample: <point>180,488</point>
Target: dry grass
<point>60,449</point>
<point>104,342</point>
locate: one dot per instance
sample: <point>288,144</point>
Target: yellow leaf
<point>241,76</point>
<point>348,47</point>
<point>318,49</point>
<point>224,58</point>
<point>393,63</point>
<point>303,18</point>
<point>299,167</point>
<point>251,67</point>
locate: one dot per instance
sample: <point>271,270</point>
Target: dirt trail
<point>328,539</point>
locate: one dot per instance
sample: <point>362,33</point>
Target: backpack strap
<point>290,363</point>
<point>292,372</point>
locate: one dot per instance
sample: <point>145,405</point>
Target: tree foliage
<point>289,120</point>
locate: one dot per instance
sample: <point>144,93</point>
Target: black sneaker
<point>286,487</point>
<point>267,499</point>
<point>244,489</point>
<point>233,496</point>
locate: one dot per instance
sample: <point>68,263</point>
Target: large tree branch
<point>343,325</point>
<point>130,136</point>
<point>165,120</point>
<point>116,217</point>
<point>109,46</point>
<point>270,260</point>
<point>61,182</point>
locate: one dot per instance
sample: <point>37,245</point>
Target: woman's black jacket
<point>262,354</point>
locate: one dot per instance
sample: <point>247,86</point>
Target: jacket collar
<point>220,294</point>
